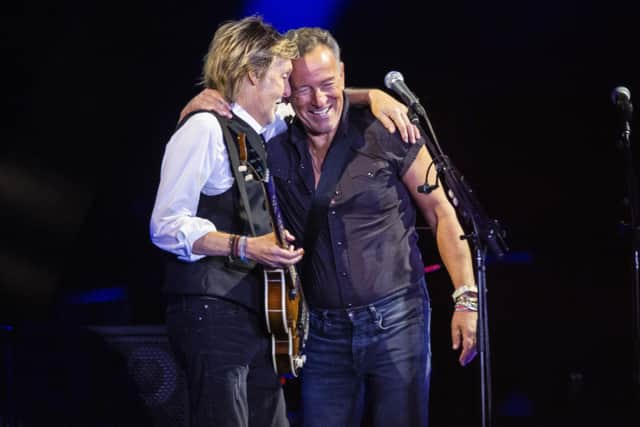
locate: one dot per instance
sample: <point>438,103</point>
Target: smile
<point>321,112</point>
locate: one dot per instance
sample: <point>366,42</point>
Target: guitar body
<point>286,319</point>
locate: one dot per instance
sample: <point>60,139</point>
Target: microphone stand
<point>632,189</point>
<point>486,234</point>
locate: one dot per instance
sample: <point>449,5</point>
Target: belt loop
<point>349,314</point>
<point>377,316</point>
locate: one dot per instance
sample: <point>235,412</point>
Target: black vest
<point>217,275</point>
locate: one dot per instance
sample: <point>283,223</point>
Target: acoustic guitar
<point>285,307</point>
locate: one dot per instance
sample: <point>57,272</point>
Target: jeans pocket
<point>397,316</point>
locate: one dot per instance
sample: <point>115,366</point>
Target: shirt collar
<point>278,126</point>
<point>239,111</point>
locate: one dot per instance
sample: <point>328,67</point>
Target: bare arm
<point>454,252</point>
<point>387,109</point>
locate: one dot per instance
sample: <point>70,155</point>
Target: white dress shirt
<point>196,161</point>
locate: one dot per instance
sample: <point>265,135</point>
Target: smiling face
<point>317,84</point>
<point>270,89</point>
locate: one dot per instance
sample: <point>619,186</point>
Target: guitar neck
<point>276,215</point>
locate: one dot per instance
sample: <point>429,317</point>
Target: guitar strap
<point>234,160</point>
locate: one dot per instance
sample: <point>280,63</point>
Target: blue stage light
<point>288,14</point>
<point>94,296</point>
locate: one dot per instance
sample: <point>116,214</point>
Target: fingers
<point>218,104</point>
<point>387,123</point>
<point>403,123</point>
<point>400,118</point>
<point>210,99</point>
<point>274,256</point>
<point>291,257</point>
<point>463,334</point>
<point>469,351</point>
<point>290,237</point>
<point>456,337</point>
<point>265,250</point>
<point>414,133</point>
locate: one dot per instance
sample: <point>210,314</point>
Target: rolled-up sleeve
<point>195,161</point>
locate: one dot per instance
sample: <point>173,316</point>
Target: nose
<point>319,97</point>
<point>287,89</point>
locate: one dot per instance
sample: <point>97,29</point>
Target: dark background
<point>518,94</point>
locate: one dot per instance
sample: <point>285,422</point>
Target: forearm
<point>359,96</point>
<point>454,252</point>
<point>262,249</point>
<point>214,243</point>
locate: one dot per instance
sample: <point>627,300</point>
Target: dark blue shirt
<point>367,245</point>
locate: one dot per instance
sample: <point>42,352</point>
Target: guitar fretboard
<point>275,209</point>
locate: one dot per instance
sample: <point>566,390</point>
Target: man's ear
<point>253,77</point>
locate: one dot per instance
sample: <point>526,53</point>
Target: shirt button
<point>333,212</point>
<point>340,243</point>
<point>343,274</point>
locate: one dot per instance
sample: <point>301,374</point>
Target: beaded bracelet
<point>236,240</point>
<point>231,244</point>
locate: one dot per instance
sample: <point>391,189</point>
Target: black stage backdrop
<point>519,96</point>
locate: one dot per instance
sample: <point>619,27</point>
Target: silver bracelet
<point>463,290</point>
<point>466,306</point>
<point>242,248</point>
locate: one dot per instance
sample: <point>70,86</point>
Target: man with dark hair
<point>348,191</point>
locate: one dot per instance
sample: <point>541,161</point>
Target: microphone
<point>394,81</point>
<point>621,98</point>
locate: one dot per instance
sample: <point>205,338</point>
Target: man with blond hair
<point>212,219</point>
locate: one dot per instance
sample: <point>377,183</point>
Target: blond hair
<point>240,47</point>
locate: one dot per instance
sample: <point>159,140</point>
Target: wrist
<point>248,248</point>
<point>465,298</point>
<point>463,290</point>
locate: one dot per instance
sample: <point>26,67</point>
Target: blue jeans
<point>369,365</point>
<point>226,354</point>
